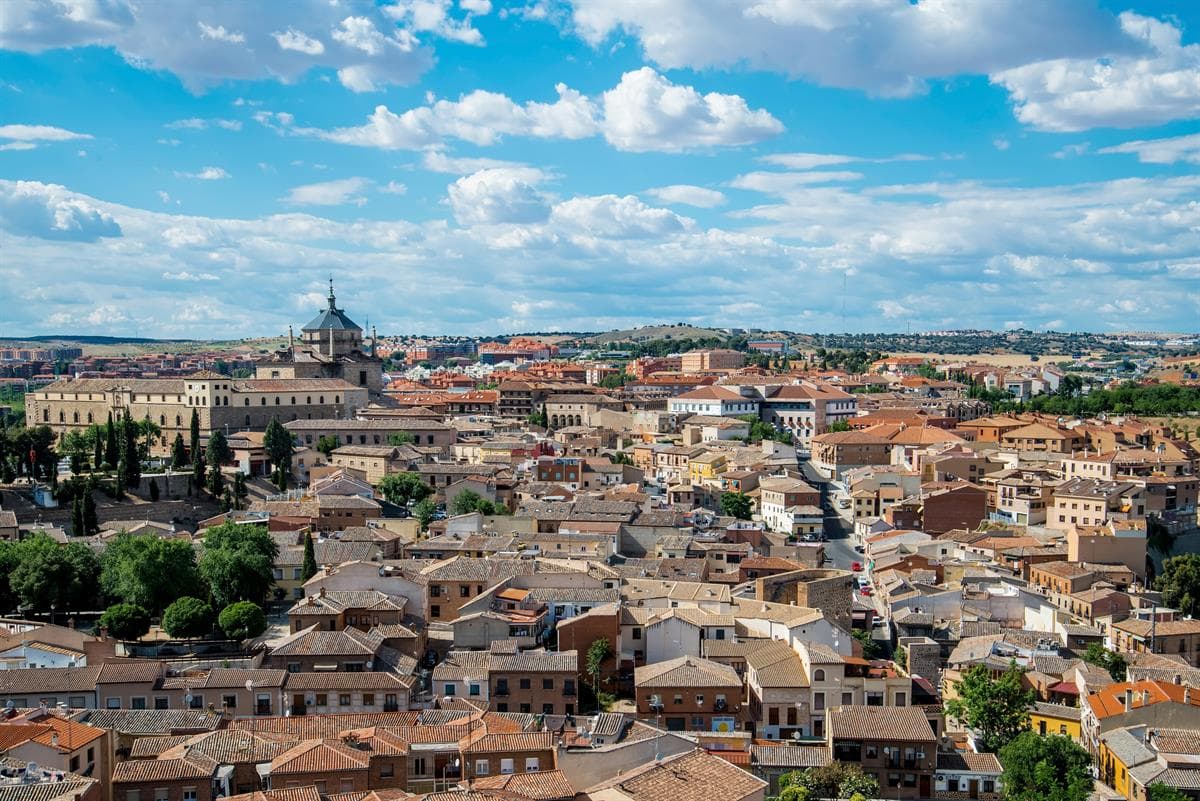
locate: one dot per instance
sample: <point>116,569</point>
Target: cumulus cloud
<point>615,217</point>
<point>206,174</point>
<point>439,161</point>
<point>807,161</point>
<point>28,137</point>
<point>434,16</point>
<point>200,124</point>
<point>1157,82</point>
<point>184,275</point>
<point>499,195</point>
<point>329,193</point>
<point>1161,151</point>
<point>205,45</point>
<point>888,47</point>
<point>781,182</point>
<point>645,111</point>
<point>688,195</point>
<point>49,211</point>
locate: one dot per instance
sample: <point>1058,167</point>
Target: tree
<point>91,522</point>
<point>78,527</point>
<point>538,419</point>
<point>837,425</point>
<point>242,620</point>
<point>149,571</point>
<point>1045,768</point>
<point>1164,792</point>
<point>1114,663</point>
<point>218,452</point>
<point>194,434</point>
<point>996,709</point>
<point>835,780</point>
<point>469,501</point>
<point>327,444</point>
<point>620,457</point>
<point>178,453</point>
<point>238,563</point>
<point>401,438</point>
<point>280,446</point>
<point>47,573</point>
<point>872,649</point>
<point>240,491</point>
<point>597,654</point>
<point>1179,583</point>
<point>188,617</point>
<point>403,488</point>
<point>130,451</point>
<point>153,489</point>
<point>125,621</point>
<point>149,431</point>
<point>215,483</point>
<point>309,567</point>
<point>424,512</point>
<point>736,504</point>
<point>110,443</point>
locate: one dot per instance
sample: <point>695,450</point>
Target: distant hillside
<point>649,332</point>
<point>70,339</point>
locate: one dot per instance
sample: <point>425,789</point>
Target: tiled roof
<point>320,756</point>
<point>494,743</point>
<point>1055,710</point>
<point>141,771</point>
<point>328,643</point>
<point>150,721</point>
<point>1110,700</point>
<point>693,776</point>
<point>48,680</point>
<point>306,793</point>
<point>343,680</point>
<point>790,756</point>
<point>893,723</point>
<point>228,747</point>
<point>547,785</point>
<point>134,671</point>
<point>686,671</point>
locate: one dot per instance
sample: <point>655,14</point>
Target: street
<point>840,547</point>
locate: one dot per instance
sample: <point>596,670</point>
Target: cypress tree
<point>309,568</point>
<point>194,444</point>
<point>133,460</point>
<point>91,522</point>
<point>78,526</point>
<point>111,454</point>
<point>178,452</point>
<point>97,446</point>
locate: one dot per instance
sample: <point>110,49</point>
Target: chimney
<point>291,341</point>
<point>1128,700</point>
<point>1187,695</point>
<point>321,593</point>
<point>1145,698</point>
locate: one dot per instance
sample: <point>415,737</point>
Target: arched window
<point>321,399</point>
<point>74,417</point>
<point>89,417</point>
<point>178,421</point>
<point>818,675</point>
<point>276,400</point>
<point>45,415</point>
<point>293,400</point>
<point>162,420</point>
<point>264,400</point>
<point>247,420</point>
<point>337,399</point>
<point>308,400</point>
<point>62,417</point>
<point>247,401</point>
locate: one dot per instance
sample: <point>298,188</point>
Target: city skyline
<point>199,171</point>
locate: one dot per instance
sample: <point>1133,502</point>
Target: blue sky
<point>462,166</point>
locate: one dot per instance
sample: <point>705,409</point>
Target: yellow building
<point>1056,719</point>
<point>707,468</point>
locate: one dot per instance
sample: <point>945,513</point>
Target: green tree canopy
<point>597,654</point>
<point>1045,768</point>
<point>279,445</point>
<point>126,621</point>
<point>996,709</point>
<point>242,620</point>
<point>327,444</point>
<point>400,488</point>
<point>401,438</point>
<point>218,451</point>
<point>469,501</point>
<point>1164,792</point>
<point>1114,663</point>
<point>188,617</point>
<point>149,571</point>
<point>46,573</point>
<point>835,780</point>
<point>1179,583</point>
<point>238,563</point>
<point>424,512</point>
<point>736,504</point>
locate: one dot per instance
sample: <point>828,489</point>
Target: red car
<point>865,591</point>
<point>856,566</point>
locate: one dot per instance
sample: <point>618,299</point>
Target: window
<point>344,699</point>
<point>91,754</point>
<point>75,764</point>
<point>773,716</point>
<point>547,709</point>
<point>368,699</point>
<point>387,770</point>
<point>230,701</point>
<point>161,702</point>
<point>547,684</point>
<point>532,765</point>
<point>161,794</point>
<point>637,633</point>
<point>435,590</point>
<point>435,611</point>
<point>818,675</point>
<point>137,703</point>
<point>133,795</point>
<point>526,684</point>
<point>322,699</point>
<point>449,690</point>
<point>848,699</point>
<point>481,767</point>
<point>189,794</point>
<point>506,766</point>
<point>473,690</point>
<point>464,591</point>
<point>112,703</point>
<point>526,709</point>
<point>818,701</point>
<point>989,786</point>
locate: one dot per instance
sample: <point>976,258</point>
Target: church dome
<point>331,318</point>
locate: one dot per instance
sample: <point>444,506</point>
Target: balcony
<point>720,706</point>
<point>393,707</point>
<point>500,690</point>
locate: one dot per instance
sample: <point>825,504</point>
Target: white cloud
<point>1072,150</point>
<point>299,42</point>
<point>329,193</point>
<point>781,182</point>
<point>807,161</point>
<point>892,309</point>
<point>200,124</point>
<point>1157,82</point>
<point>219,34</point>
<point>438,161</point>
<point>1001,143</point>
<point>688,194</point>
<point>184,275</point>
<point>476,6</point>
<point>500,195</point>
<point>206,174</point>
<point>433,16</point>
<point>1162,151</point>
<point>49,211</point>
<point>643,112</point>
<point>479,117</point>
<point>393,188</point>
<point>646,112</point>
<point>615,217</point>
<point>888,47</point>
<point>273,41</point>
<point>28,137</point>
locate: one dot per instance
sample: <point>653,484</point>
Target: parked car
<point>856,566</point>
<point>859,549</point>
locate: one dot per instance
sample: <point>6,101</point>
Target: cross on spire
<point>331,297</point>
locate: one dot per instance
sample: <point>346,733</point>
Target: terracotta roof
<point>141,771</point>
<point>686,671</point>
<point>320,756</point>
<point>547,785</point>
<point>693,776</point>
<point>969,761</point>
<point>790,756</point>
<point>500,742</point>
<point>894,723</point>
<point>1110,700</point>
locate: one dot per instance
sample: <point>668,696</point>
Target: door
<point>298,707</point>
<point>973,788</point>
<point>925,790</point>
